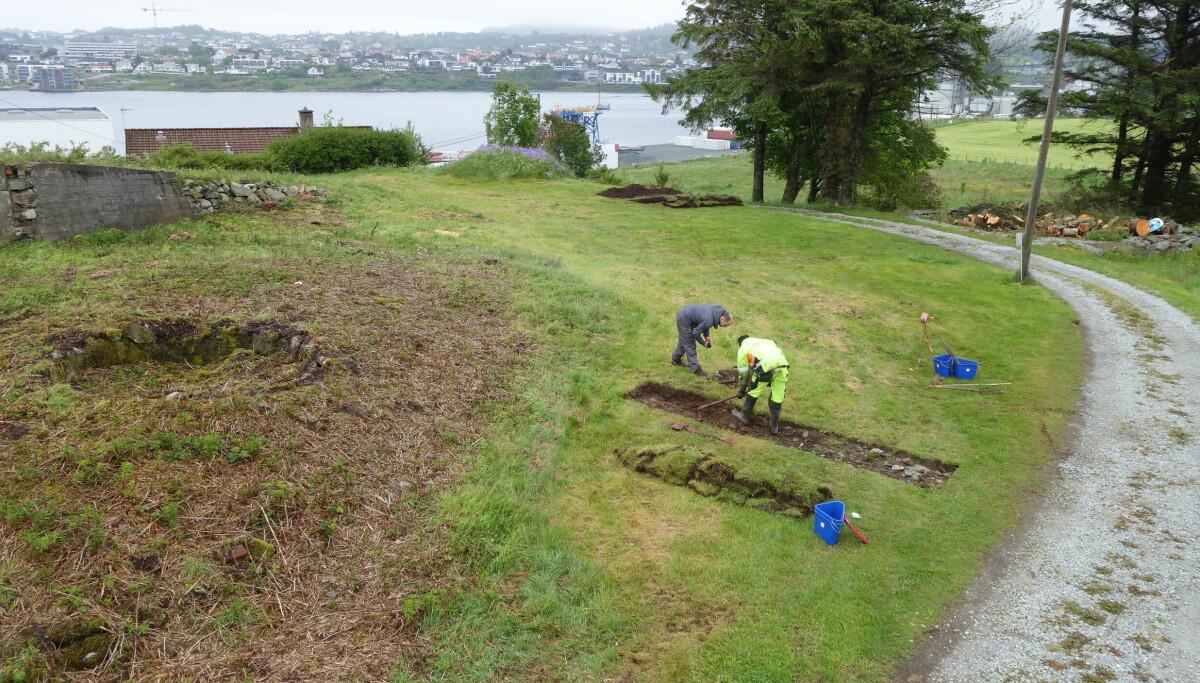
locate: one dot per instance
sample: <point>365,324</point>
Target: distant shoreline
<point>406,84</point>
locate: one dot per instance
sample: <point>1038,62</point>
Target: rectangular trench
<point>879,458</point>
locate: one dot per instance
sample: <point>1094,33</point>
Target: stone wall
<point>53,201</point>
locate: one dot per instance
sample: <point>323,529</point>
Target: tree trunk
<point>791,188</point>
<point>1139,171</point>
<point>1154,187</point>
<point>1119,152</point>
<point>854,153</point>
<point>814,190</point>
<point>760,159</point>
<point>1183,182</point>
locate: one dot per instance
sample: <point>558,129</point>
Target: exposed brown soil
<point>888,461</point>
<point>704,474</point>
<point>669,197</point>
<point>214,519</point>
<point>689,201</point>
<point>636,190</point>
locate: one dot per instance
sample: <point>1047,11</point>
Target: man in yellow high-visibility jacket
<point>761,364</point>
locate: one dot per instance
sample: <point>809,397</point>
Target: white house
<point>315,72</point>
<point>62,127</point>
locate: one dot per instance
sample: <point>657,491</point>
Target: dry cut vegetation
<point>258,506</point>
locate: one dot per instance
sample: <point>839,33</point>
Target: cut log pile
<point>1001,218</point>
<point>1011,217</point>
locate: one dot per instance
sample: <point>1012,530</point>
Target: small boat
<point>603,106</point>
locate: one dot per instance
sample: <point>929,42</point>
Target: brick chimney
<point>306,118</point>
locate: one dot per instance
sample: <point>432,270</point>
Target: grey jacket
<point>698,319</point>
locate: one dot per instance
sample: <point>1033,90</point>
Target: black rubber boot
<point>746,411</point>
<point>773,410</point>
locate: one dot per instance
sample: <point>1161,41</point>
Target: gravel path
<point>1103,582</point>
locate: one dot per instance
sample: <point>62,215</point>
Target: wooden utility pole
<point>1047,129</point>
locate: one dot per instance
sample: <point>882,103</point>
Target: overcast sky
<point>402,16</point>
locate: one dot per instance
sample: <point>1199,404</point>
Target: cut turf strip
<point>704,474</point>
<point>888,461</point>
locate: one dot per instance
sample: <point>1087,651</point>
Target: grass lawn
<point>1004,142</point>
<point>962,182</point>
<point>1175,277</point>
<point>536,555</point>
<point>698,589</point>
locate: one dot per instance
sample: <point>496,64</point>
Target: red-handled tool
<point>856,531</point>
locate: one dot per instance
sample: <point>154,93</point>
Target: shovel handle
<point>856,531</point>
<point>709,405</point>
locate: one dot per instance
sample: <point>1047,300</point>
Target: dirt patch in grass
<point>888,461</point>
<point>710,477</point>
<point>690,201</point>
<point>668,196</point>
<point>635,190</point>
<point>208,516</point>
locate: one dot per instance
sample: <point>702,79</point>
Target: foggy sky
<point>399,16</point>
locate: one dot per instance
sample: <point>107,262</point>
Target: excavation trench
<point>888,461</point>
<point>178,341</point>
<point>704,474</point>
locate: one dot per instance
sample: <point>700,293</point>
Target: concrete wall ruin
<point>54,201</point>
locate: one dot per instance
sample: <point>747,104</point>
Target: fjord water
<point>445,120</point>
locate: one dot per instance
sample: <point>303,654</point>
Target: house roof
<point>143,141</point>
<point>53,114</point>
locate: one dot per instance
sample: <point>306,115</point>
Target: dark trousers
<point>686,346</point>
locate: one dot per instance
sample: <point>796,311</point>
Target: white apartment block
<point>78,50</point>
<point>248,64</point>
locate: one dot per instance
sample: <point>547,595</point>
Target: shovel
<point>680,427</point>
<point>856,531</point>
<point>709,405</point>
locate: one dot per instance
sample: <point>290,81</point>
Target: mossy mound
<point>173,341</point>
<point>81,641</point>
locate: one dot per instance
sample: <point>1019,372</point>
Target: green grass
<point>588,570</point>
<point>582,569</point>
<point>1175,277</point>
<point>1004,142</point>
<point>967,183</point>
<point>962,182</point>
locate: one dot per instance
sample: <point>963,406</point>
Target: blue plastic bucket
<point>965,369</point>
<point>943,365</point>
<point>827,520</point>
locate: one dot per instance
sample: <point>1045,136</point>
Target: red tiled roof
<point>143,141</point>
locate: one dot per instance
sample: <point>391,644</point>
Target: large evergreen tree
<point>1139,62</point>
<point>814,85</point>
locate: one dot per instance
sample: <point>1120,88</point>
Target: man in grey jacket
<point>693,323</point>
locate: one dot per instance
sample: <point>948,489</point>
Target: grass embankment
<point>1174,276</point>
<point>706,590</point>
<point>558,562</point>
